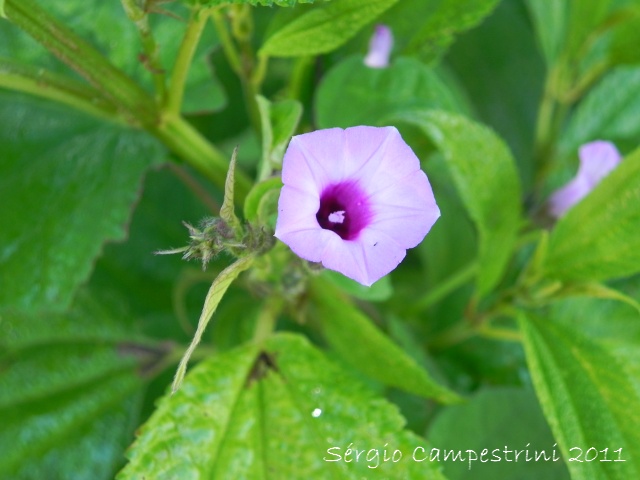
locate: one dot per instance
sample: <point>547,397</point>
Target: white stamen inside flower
<point>337,217</point>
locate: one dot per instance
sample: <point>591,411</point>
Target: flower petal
<point>378,157</point>
<point>405,211</point>
<point>296,211</point>
<point>309,244</point>
<point>567,196</point>
<point>314,160</point>
<point>597,159</point>
<point>366,260</point>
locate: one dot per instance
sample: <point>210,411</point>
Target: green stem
<point>151,60</point>
<point>186,142</point>
<point>187,50</point>
<point>302,70</point>
<point>59,88</point>
<point>229,48</point>
<point>242,60</point>
<point>496,333</point>
<point>116,89</point>
<point>445,288</point>
<point>458,333</point>
<point>114,85</point>
<point>267,318</point>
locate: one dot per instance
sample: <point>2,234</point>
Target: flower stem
<point>445,288</point>
<point>192,35</point>
<point>267,318</point>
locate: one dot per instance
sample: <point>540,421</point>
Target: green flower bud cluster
<point>215,236</point>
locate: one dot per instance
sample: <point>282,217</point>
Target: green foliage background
<point>503,329</point>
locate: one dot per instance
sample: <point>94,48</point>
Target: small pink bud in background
<point>380,47</point>
<point>597,159</point>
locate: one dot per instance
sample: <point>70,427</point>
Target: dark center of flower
<point>344,209</point>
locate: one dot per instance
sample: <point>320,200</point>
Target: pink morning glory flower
<point>597,159</point>
<point>380,47</point>
<point>354,200</point>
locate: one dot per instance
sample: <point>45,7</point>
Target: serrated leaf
<point>585,397</point>
<point>599,238</point>
<point>216,292</point>
<point>272,413</point>
<point>487,421</point>
<point>323,28</point>
<point>71,182</point>
<point>279,122</point>
<point>353,94</point>
<point>611,110</point>
<point>356,339</point>
<point>68,396</point>
<point>611,323</point>
<point>486,178</point>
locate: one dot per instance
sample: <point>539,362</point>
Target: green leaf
<point>106,25</point>
<point>323,28</point>
<point>279,122</point>
<point>550,20</point>
<point>610,111</point>
<point>492,419</point>
<point>353,94</point>
<point>439,22</point>
<point>626,37</point>
<point>255,414</point>
<point>227,211</point>
<point>583,18</point>
<point>356,339</point>
<point>69,396</point>
<point>255,3</point>
<point>611,323</point>
<point>258,195</point>
<point>216,292</point>
<point>505,98</point>
<point>599,238</point>
<point>71,181</point>
<point>378,292</point>
<point>486,178</point>
<point>587,399</point>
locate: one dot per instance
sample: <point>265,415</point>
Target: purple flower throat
<point>344,209</point>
